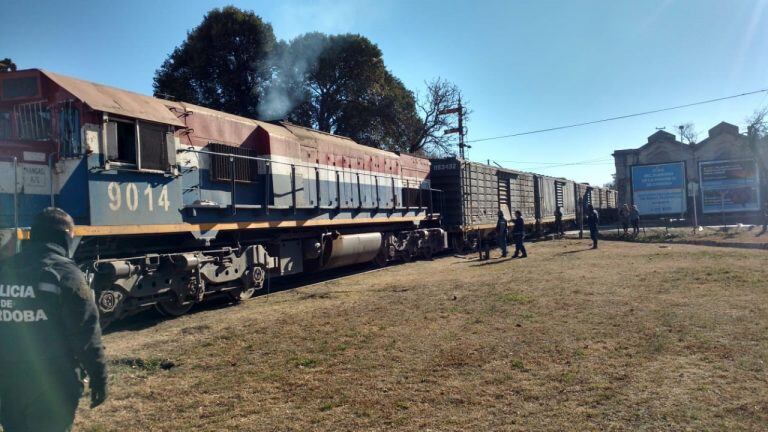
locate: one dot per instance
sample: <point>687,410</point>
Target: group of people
<point>630,216</point>
<point>518,234</point>
<point>518,229</point>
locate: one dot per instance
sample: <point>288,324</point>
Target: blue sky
<point>521,65</point>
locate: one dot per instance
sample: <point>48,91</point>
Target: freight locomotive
<point>175,203</point>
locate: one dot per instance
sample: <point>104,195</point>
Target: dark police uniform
<point>593,220</point>
<point>49,334</point>
<point>501,234</point>
<point>518,232</point>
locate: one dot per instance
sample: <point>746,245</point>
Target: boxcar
<point>469,196</point>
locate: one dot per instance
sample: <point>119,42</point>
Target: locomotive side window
<point>5,125</point>
<point>33,120</point>
<point>121,141</point>
<point>146,146</point>
<point>69,130</point>
<point>152,145</point>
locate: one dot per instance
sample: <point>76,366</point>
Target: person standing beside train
<point>49,332</point>
<point>559,221</point>
<point>501,233</point>
<point>518,233</point>
<point>593,220</point>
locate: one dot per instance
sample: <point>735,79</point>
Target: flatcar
<point>174,203</point>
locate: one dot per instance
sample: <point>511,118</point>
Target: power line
<point>618,117</point>
<point>554,163</point>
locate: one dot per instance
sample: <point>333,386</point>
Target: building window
<point>147,146</point>
<point>245,169</point>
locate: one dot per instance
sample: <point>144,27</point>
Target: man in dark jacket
<point>559,221</point>
<point>501,233</point>
<point>49,332</point>
<point>593,220</point>
<point>518,233</point>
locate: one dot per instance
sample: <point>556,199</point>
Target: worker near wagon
<point>501,233</point>
<point>624,218</point>
<point>50,336</point>
<point>559,221</point>
<point>634,219</point>
<point>518,233</point>
<point>593,220</point>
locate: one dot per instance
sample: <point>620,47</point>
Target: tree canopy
<point>334,83</point>
<point>7,65</point>
<point>223,64</point>
<point>339,84</point>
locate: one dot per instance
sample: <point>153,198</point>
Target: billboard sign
<point>729,186</point>
<point>659,189</point>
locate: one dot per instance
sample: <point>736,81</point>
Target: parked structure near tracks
<point>720,177</point>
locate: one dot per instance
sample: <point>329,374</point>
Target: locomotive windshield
<point>20,88</point>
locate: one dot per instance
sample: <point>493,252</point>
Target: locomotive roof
<point>131,104</point>
<point>116,101</point>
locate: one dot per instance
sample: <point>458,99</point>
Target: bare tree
<point>689,133</point>
<point>758,123</point>
<point>757,138</point>
<point>430,137</point>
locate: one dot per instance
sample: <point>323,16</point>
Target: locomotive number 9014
<point>128,197</point>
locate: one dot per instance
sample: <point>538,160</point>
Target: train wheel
<point>172,307</point>
<point>244,294</point>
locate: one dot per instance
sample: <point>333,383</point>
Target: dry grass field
<point>629,337</point>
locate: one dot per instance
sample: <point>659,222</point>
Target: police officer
<point>49,331</point>
<point>518,233</point>
<point>501,233</point>
<point>559,221</point>
<point>593,220</point>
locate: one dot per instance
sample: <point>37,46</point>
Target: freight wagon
<point>174,202</point>
<point>551,193</point>
<point>470,196</point>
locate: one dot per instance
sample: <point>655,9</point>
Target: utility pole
<point>459,110</point>
<point>685,182</point>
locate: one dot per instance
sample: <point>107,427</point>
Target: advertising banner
<point>659,189</point>
<point>729,186</point>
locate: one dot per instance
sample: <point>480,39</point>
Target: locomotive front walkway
<point>632,336</point>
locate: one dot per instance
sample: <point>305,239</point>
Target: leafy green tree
<point>223,64</point>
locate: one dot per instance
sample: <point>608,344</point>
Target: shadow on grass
<point>495,261</point>
<point>576,251</point>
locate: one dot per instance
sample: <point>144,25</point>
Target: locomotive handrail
<point>317,167</point>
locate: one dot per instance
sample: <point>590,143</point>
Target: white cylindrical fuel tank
<point>353,249</point>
